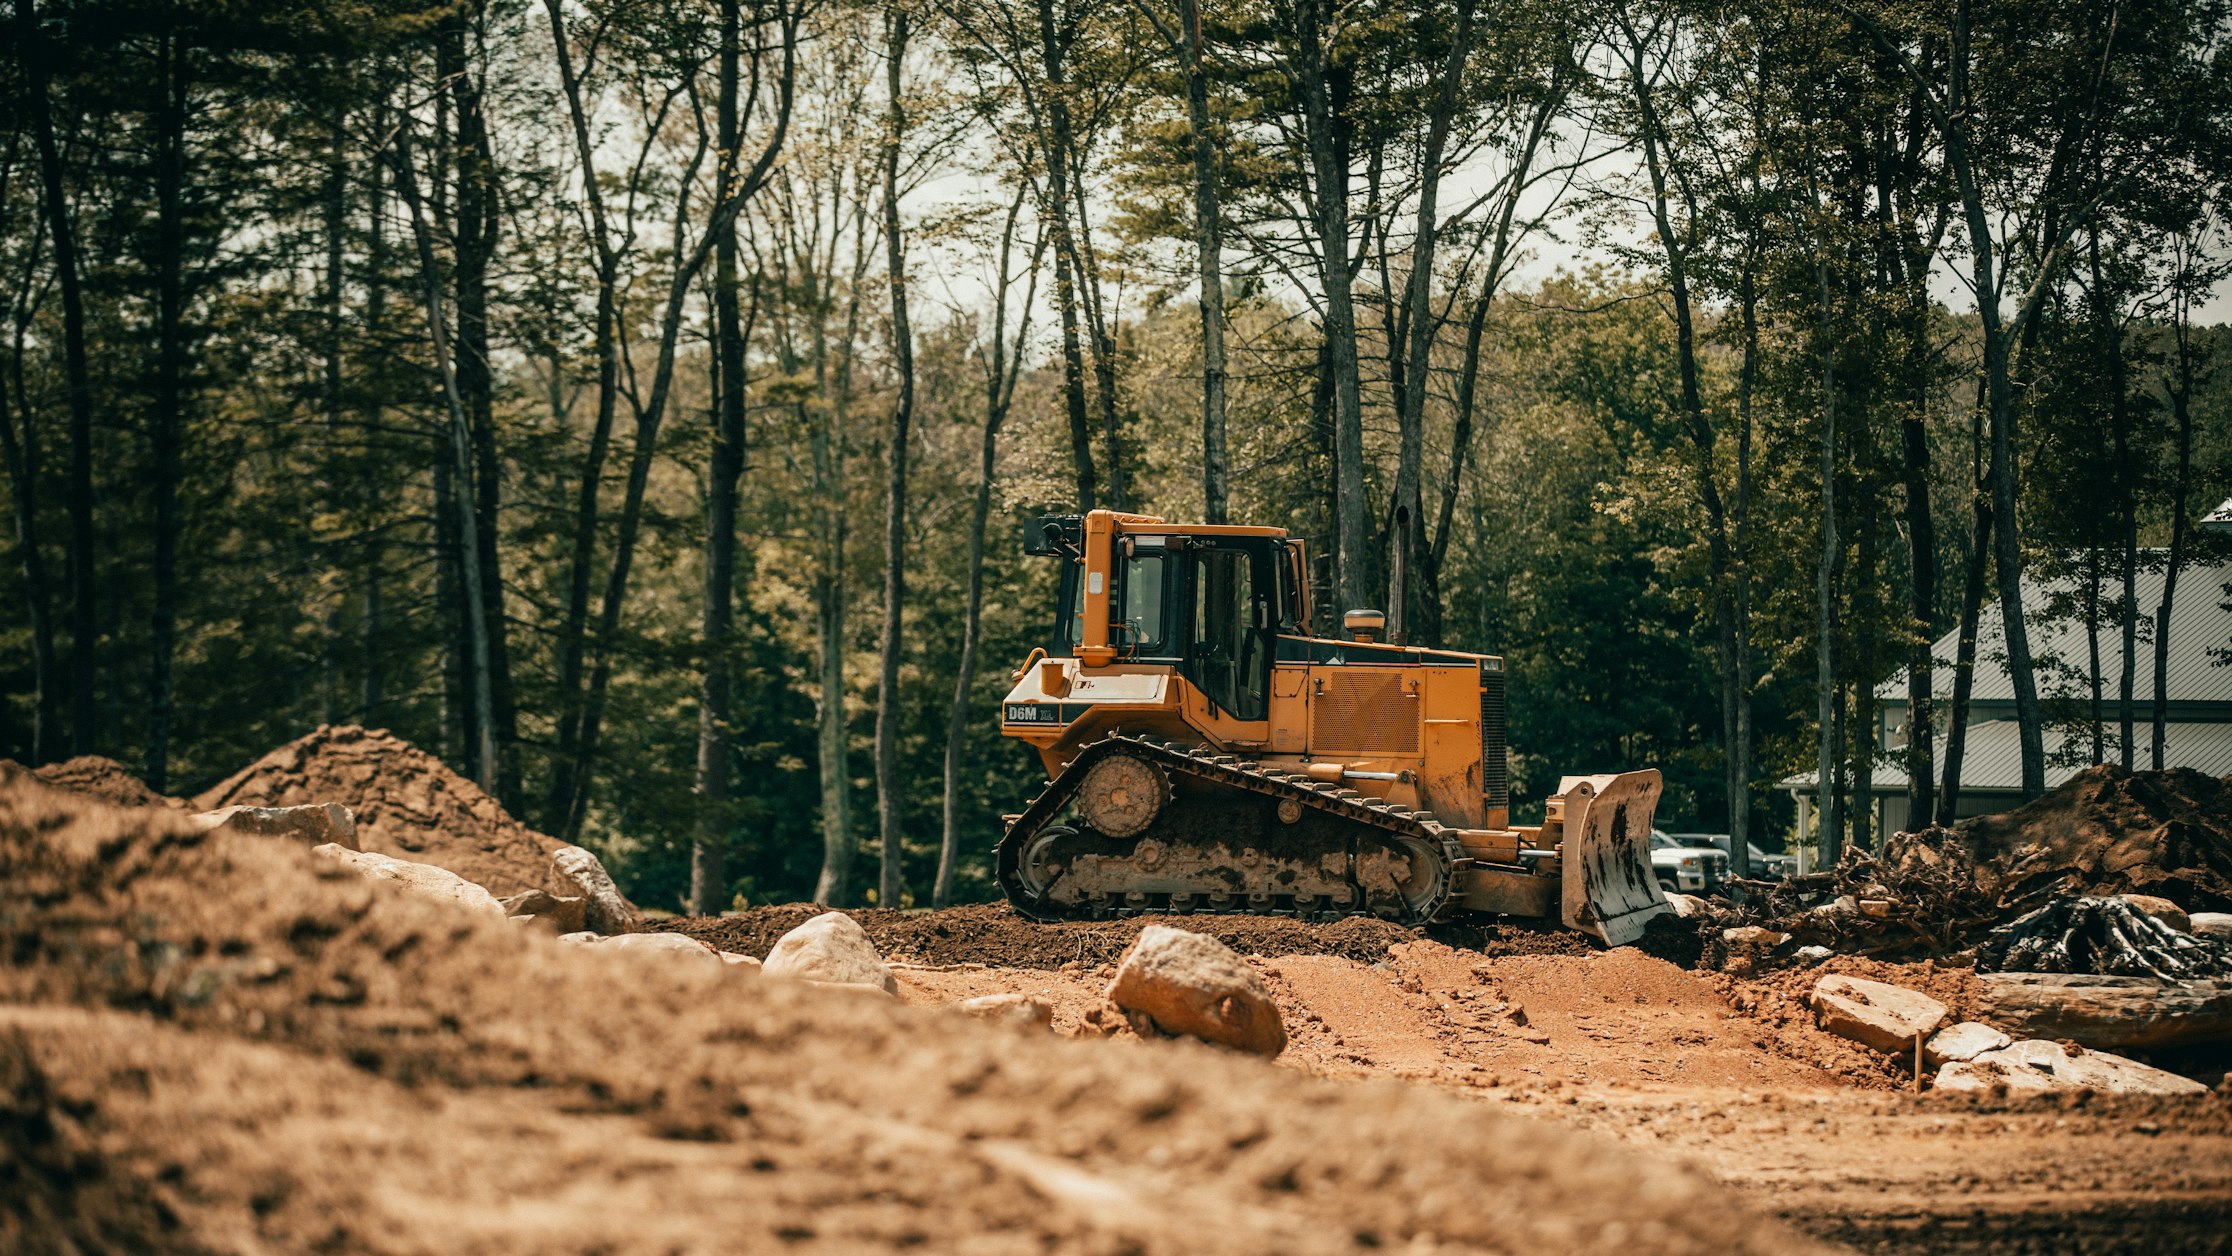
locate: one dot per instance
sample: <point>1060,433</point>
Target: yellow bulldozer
<point>1207,752</point>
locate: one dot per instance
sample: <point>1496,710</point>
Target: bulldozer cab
<point>1210,606</point>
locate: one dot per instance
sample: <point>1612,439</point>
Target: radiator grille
<point>1364,712</point>
<point>1495,770</point>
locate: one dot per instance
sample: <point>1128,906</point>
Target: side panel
<point>1450,776</point>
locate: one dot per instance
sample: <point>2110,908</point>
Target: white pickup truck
<point>1686,869</point>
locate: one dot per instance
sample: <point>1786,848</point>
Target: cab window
<point>1141,605</point>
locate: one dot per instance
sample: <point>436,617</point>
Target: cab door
<point>1230,621</point>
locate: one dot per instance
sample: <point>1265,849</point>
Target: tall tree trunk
<point>1417,371</point>
<point>835,882</point>
<point>454,712</point>
<point>708,879</point>
<point>1864,735</point>
<point>37,60</point>
<point>891,888</point>
<point>1325,131</point>
<point>483,754</point>
<point>1104,345</point>
<point>1912,260</point>
<point>476,226</point>
<point>2181,409</point>
<point>375,327</point>
<point>1973,589</point>
<point>169,417</point>
<point>20,451</point>
<point>1208,244</point>
<point>573,639</point>
<point>1825,668</point>
<point>1068,272</point>
<point>2127,504</point>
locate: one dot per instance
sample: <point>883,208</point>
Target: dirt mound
<point>992,934</point>
<point>240,1050</point>
<point>105,779</point>
<point>2108,831</point>
<point>407,804</point>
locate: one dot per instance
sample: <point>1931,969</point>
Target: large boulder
<point>2037,1065</point>
<point>438,883</point>
<point>315,824</point>
<point>1886,1017</point>
<point>831,949</point>
<point>2161,909</point>
<point>1187,983</point>
<point>607,910</point>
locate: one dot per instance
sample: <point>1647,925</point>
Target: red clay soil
<point>992,934</point>
<point>2108,831</point>
<point>105,779</point>
<point>217,1042</point>
<point>1803,1124</point>
<point>407,804</point>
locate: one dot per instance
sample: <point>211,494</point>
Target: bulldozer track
<point>1370,818</point>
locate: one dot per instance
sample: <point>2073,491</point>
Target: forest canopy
<point>637,402</point>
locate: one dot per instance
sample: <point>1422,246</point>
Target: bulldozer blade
<point>1609,889</point>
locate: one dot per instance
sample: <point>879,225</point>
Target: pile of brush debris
<point>2039,889</point>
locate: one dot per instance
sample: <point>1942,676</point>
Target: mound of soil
<point>1778,1001</point>
<point>211,1041</point>
<point>992,934</point>
<point>105,779</point>
<point>2108,831</point>
<point>407,804</point>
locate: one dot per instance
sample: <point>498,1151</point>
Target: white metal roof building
<point>2197,733</point>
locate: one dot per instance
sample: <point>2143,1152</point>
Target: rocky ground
<point>213,1038</point>
<point>1727,1076</point>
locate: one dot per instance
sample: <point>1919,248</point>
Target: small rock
<point>559,915</point>
<point>316,823</point>
<point>661,943</point>
<point>1964,1041</point>
<point>1187,983</point>
<point>1882,1016</point>
<point>2038,1065</point>
<point>2212,924</point>
<point>607,910</point>
<point>742,961</point>
<point>1009,1009</point>
<point>1684,905</point>
<point>426,879</point>
<point>1753,935</point>
<point>2161,909</point>
<point>831,949</point>
<point>1812,954</point>
<point>1876,907</point>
